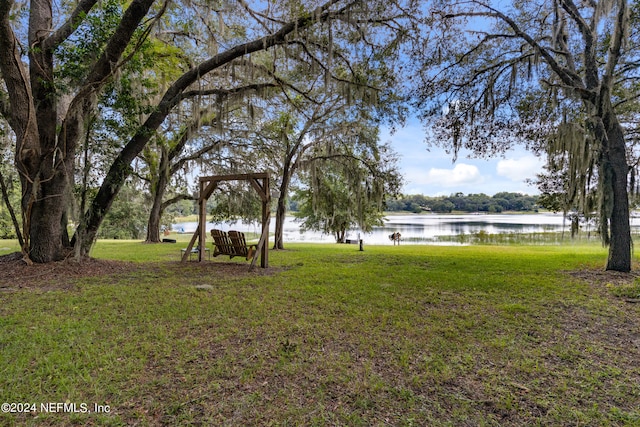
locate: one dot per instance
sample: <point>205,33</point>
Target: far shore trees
<point>499,202</point>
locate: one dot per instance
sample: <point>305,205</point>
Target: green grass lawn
<point>402,336</point>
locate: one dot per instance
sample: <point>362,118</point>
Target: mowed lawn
<point>328,336</point>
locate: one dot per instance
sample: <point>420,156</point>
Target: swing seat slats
<point>232,243</point>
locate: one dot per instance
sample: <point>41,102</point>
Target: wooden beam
<point>204,194</point>
<point>202,221</point>
<point>235,177</point>
<point>260,188</point>
<point>262,250</point>
<point>263,243</point>
<point>266,220</point>
<point>264,256</point>
<point>185,256</point>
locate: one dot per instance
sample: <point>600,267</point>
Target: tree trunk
<point>575,226</point>
<point>620,244</point>
<point>280,218</point>
<point>153,225</point>
<point>45,208</point>
<point>281,209</point>
<point>613,169</point>
<point>158,190</point>
<point>45,231</point>
<point>49,189</point>
<point>87,230</point>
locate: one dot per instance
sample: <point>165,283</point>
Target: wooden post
<point>266,219</point>
<point>262,188</point>
<point>202,222</point>
<point>187,253</point>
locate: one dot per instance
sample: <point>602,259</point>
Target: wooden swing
<point>232,243</point>
<point>260,182</point>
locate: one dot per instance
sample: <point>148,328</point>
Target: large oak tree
<point>492,63</point>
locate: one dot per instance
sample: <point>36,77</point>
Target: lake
<point>422,229</point>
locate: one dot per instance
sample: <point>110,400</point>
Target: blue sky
<point>430,171</point>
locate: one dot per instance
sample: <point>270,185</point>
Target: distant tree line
<point>497,203</point>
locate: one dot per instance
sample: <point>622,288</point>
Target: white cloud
<point>430,171</point>
<point>461,174</point>
<point>519,169</point>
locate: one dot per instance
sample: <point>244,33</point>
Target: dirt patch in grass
<point>16,274</point>
<point>613,284</point>
<point>600,277</point>
<point>619,332</point>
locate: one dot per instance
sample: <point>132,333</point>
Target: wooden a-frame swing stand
<point>260,182</point>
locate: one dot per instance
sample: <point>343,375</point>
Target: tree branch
<point>164,205</point>
<point>573,11</point>
<point>196,155</point>
<point>103,69</point>
<point>108,60</point>
<point>587,31</point>
<point>14,218</point>
<point>619,31</point>
<point>19,107</point>
<point>75,19</point>
<point>4,104</point>
<point>226,92</point>
<point>567,76</point>
<point>257,16</point>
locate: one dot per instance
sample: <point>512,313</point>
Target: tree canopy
<point>348,192</point>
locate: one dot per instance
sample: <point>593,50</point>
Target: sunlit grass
<point>9,246</point>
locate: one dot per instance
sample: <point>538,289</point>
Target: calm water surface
<point>419,229</point>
